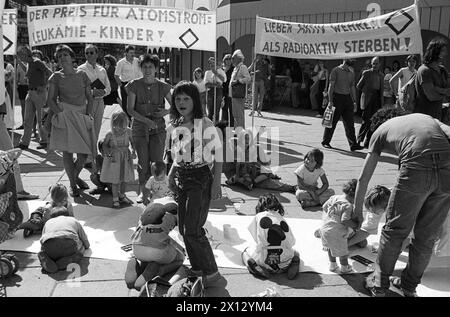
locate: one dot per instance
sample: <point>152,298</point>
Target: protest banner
<point>9,24</point>
<point>120,24</point>
<point>395,33</point>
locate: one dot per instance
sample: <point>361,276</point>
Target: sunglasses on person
<point>89,53</point>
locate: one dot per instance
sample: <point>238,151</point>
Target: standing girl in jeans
<point>194,175</point>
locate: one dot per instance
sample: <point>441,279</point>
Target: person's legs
<point>261,93</point>
<point>133,271</point>
<point>319,97</point>
<point>65,261</point>
<point>302,195</point>
<point>115,195</point>
<point>210,103</point>
<point>141,146</point>
<point>339,108</point>
<point>39,103</point>
<point>69,167</point>
<point>426,232</point>
<point>219,95</point>
<point>326,195</point>
<point>238,112</point>
<point>98,110</point>
<point>347,119</point>
<point>312,96</point>
<point>333,265</point>
<point>253,267</point>
<point>295,95</point>
<point>406,200</point>
<point>30,113</point>
<point>294,266</point>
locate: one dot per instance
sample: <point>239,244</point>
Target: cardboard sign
<point>9,25</point>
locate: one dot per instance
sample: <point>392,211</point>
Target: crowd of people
<point>173,172</point>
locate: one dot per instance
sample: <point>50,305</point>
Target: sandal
<point>125,199</point>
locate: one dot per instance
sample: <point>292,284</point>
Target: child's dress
<point>334,234</point>
<point>274,241</point>
<point>118,163</point>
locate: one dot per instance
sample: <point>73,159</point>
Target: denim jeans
<point>193,196</point>
<point>420,200</point>
<point>372,106</point>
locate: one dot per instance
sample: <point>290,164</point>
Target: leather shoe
<point>41,146</point>
<point>22,146</point>
<point>82,184</point>
<point>356,147</point>
<point>74,192</point>
<point>326,145</point>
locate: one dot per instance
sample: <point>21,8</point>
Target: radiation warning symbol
<point>398,28</point>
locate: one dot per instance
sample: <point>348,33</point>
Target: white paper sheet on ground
<point>110,229</point>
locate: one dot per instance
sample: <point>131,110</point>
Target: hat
<point>155,210</point>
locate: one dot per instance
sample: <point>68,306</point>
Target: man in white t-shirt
<point>127,69</point>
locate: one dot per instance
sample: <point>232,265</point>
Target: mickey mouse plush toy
<point>273,251</point>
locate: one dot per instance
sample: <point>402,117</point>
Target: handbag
<point>327,121</point>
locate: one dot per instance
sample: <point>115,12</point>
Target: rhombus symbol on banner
<point>188,38</point>
<point>395,14</point>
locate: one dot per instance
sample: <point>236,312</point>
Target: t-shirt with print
<point>309,178</point>
<point>409,137</point>
<point>159,189</point>
<point>192,150</point>
<point>371,222</point>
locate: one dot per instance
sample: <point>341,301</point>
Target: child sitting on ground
<point>63,241</point>
<point>158,183</point>
<point>155,252</point>
<point>59,198</point>
<point>337,225</point>
<point>375,204</point>
<point>308,173</point>
<point>273,251</point>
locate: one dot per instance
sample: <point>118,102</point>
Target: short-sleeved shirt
<point>409,137</point>
<point>36,74</point>
<point>71,87</point>
<point>344,80</point>
<point>211,78</point>
<point>128,71</point>
<point>200,85</point>
<point>187,152</point>
<point>149,99</point>
<point>309,178</point>
<point>22,73</point>
<point>371,222</point>
<point>65,227</point>
<point>427,74</point>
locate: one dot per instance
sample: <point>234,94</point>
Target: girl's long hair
<point>119,117</point>
<point>433,50</point>
<point>269,202</point>
<point>187,88</point>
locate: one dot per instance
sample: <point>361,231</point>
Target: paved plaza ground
<point>300,131</point>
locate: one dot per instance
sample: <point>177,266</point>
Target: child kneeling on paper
<point>155,252</point>
<point>375,204</point>
<point>63,241</point>
<point>273,251</point>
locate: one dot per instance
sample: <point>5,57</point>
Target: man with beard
<point>342,94</point>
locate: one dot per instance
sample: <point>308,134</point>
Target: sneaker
<point>140,199</point>
<point>20,128</point>
<point>125,200</point>
<point>260,114</point>
<point>346,269</point>
<point>356,147</point>
<point>326,145</point>
<point>82,184</point>
<point>23,195</point>
<point>47,264</point>
<point>333,267</point>
<point>42,146</point>
<point>397,283</point>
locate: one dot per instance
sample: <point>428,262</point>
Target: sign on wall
<point>9,24</point>
<point>395,33</point>
<point>122,24</point>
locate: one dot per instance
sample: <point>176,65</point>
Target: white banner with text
<point>122,24</point>
<point>9,25</point>
<point>395,33</point>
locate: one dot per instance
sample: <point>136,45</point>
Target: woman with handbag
<point>146,105</point>
<point>71,101</point>
<point>239,79</point>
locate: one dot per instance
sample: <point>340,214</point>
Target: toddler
<point>155,252</point>
<point>375,204</point>
<point>63,241</point>
<point>337,225</point>
<point>59,198</point>
<point>158,183</point>
<point>96,171</point>
<point>273,252</point>
<point>308,192</point>
<point>117,168</point>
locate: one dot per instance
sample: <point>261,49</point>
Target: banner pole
<point>13,106</point>
<point>253,80</point>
